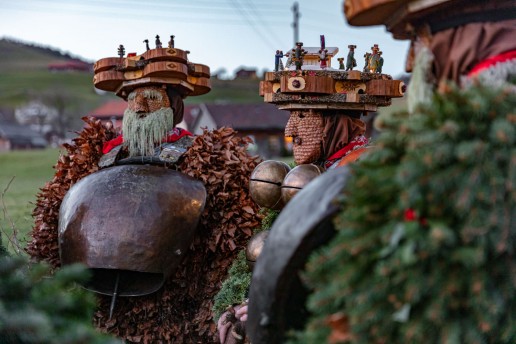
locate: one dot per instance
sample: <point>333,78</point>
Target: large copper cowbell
<point>131,225</point>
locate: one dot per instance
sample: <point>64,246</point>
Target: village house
<point>244,73</point>
<point>15,136</point>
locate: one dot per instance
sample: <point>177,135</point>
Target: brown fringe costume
<point>181,311</point>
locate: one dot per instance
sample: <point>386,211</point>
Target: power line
<point>141,15</point>
<point>264,24</point>
<point>237,6</point>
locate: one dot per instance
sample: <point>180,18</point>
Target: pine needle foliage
<point>36,307</point>
<point>426,243</point>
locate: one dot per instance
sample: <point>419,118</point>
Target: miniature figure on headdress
<point>278,64</point>
<point>132,212</point>
<point>367,56</point>
<point>323,54</point>
<point>379,67</point>
<point>289,56</point>
<point>298,55</point>
<point>350,61</point>
<point>158,42</point>
<point>374,59</point>
<point>341,63</point>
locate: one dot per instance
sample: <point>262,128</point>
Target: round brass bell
<point>265,184</point>
<point>254,248</point>
<point>297,179</point>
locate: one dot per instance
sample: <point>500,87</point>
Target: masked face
<point>147,120</point>
<point>306,130</point>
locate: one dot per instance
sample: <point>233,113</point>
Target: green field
<point>22,173</point>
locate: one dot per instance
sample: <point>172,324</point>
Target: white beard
<point>143,134</point>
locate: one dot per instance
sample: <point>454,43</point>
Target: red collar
<point>487,63</point>
<point>173,135</point>
<point>357,142</point>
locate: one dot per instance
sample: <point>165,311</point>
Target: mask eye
<point>301,115</point>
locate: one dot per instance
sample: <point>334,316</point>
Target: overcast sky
<point>219,33</point>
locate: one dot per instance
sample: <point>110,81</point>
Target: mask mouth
<point>297,140</point>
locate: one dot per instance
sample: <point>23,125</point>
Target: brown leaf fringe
<point>181,311</point>
<point>81,159</point>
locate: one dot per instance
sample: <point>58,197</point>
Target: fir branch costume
<point>430,216</point>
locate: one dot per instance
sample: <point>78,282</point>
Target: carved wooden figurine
<point>374,59</point>
<point>366,62</point>
<point>277,60</point>
<point>350,61</point>
<point>341,63</point>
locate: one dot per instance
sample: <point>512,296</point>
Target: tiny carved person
<point>341,63</point>
<point>374,59</point>
<point>350,61</point>
<point>366,62</point>
<point>323,58</point>
<point>299,54</point>
<point>277,60</point>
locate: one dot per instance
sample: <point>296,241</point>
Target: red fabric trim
<point>492,61</point>
<point>109,145</point>
<point>351,156</point>
<point>356,143</point>
<point>173,135</point>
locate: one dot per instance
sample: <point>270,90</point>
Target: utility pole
<point>295,24</point>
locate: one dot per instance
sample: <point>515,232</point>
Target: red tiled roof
<point>71,65</point>
<point>112,108</point>
<point>116,108</point>
<point>260,116</point>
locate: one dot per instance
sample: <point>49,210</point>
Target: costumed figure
<point>327,132</point>
<point>426,225</point>
<point>350,61</point>
<point>156,214</point>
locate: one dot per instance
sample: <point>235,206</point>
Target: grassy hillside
<point>22,173</point>
<point>24,76</point>
<point>22,57</point>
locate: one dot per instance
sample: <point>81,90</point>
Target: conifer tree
<point>36,307</point>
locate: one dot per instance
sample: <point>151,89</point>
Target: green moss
<point>235,288</point>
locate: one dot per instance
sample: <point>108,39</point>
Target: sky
<point>223,34</point>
